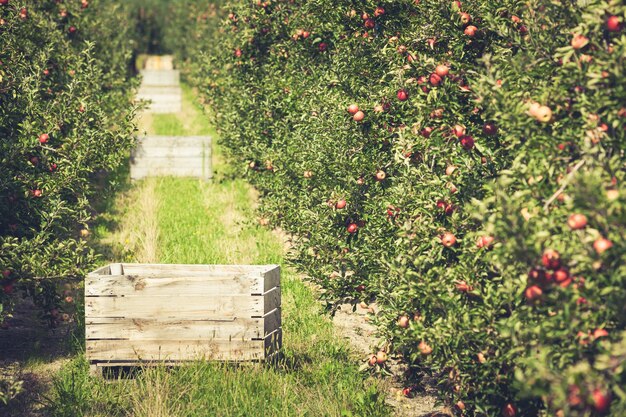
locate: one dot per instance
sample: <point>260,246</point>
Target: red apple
<point>470,31</point>
<point>577,221</point>
<point>551,259</point>
<point>353,109</point>
<point>465,18</point>
<point>613,24</point>
<point>424,348</point>
<point>4,2</point>
<point>509,410</point>
<point>459,131</point>
<point>467,142</point>
<point>601,400</point>
<point>37,193</point>
<point>533,293</point>
<point>380,175</point>
<point>379,11</point>
<point>370,24</point>
<point>448,240</point>
<point>403,95</point>
<point>43,138</point>
<point>358,116</point>
<point>579,41</point>
<point>598,333</point>
<point>72,30</point>
<point>601,245</point>
<point>238,53</point>
<point>8,288</point>
<point>442,70</point>
<point>322,46</point>
<point>490,129</point>
<point>352,228</point>
<point>484,241</point>
<point>381,357</point>
<point>435,79</point>
<point>403,322</point>
<point>341,204</point>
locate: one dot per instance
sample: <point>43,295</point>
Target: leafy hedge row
<point>461,163</point>
<point>66,118</point>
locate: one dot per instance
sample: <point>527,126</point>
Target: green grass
<point>210,223</point>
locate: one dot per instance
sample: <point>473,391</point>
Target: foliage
<point>66,119</point>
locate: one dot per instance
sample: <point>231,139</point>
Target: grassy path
<point>187,221</point>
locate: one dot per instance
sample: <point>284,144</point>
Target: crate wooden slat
<point>139,313</point>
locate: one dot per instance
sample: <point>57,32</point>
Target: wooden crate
<point>138,314</point>
<point>172,156</point>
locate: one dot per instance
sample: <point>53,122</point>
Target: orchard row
<point>459,163</point>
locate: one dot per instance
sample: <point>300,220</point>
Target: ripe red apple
<point>341,204</point>
<point>353,109</point>
<point>380,175</point>
<point>72,30</point>
<point>424,348</point>
<point>426,132</point>
<point>435,79</point>
<point>484,241</point>
<point>579,41</point>
<point>352,228</point>
<point>402,95</point>
<point>598,333</point>
<point>407,392</point>
<point>322,46</point>
<point>470,31</point>
<point>533,292</point>
<point>601,400</point>
<point>463,286</point>
<point>8,288</point>
<point>4,2</point>
<point>381,357</point>
<point>465,18</point>
<point>561,275</point>
<point>467,142</point>
<point>459,131</point>
<point>551,259</point>
<point>442,70</point>
<point>43,138</point>
<point>358,116</point>
<point>403,322</point>
<point>448,240</point>
<point>460,405</point>
<point>370,24</point>
<point>37,193</point>
<point>601,245</point>
<point>577,221</point>
<point>490,129</point>
<point>238,53</point>
<point>379,11</point>
<point>23,13</point>
<point>509,410</point>
<point>613,24</point>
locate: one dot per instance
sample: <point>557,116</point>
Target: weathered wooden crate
<point>138,314</point>
<point>172,156</point>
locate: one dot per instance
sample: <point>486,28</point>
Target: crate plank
<point>137,329</point>
<point>172,306</point>
<point>121,350</point>
<point>271,277</point>
<point>155,285</point>
<point>166,269</point>
<point>272,299</point>
<point>272,321</point>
